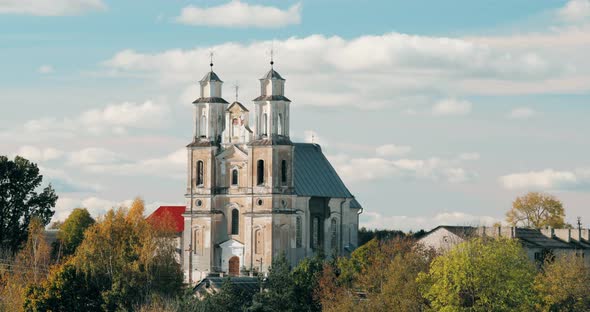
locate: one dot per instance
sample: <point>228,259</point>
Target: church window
<point>259,202</point>
<point>203,127</point>
<point>334,232</point>
<point>258,242</point>
<point>235,222</point>
<point>264,125</point>
<point>315,233</point>
<point>234,177</point>
<point>199,202</point>
<point>283,171</point>
<point>260,172</point>
<point>200,172</point>
<point>280,125</point>
<point>298,232</point>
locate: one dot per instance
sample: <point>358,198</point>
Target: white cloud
<point>39,154</point>
<point>469,156</point>
<point>375,220</point>
<point>112,119</point>
<point>45,69</point>
<point>575,11</point>
<point>521,113</point>
<point>355,170</point>
<point>50,7</point>
<point>547,179</point>
<point>93,156</point>
<point>404,70</point>
<point>99,206</point>
<point>392,150</point>
<point>239,14</point>
<point>451,107</point>
<point>63,182</point>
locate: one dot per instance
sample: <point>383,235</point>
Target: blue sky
<point>432,111</point>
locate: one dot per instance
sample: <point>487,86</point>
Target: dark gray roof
<point>272,98</point>
<point>272,74</point>
<point>315,176</point>
<point>210,100</point>
<point>273,140</point>
<point>211,76</point>
<point>461,231</point>
<point>535,237</point>
<point>241,282</point>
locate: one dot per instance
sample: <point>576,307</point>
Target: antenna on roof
<point>579,223</point>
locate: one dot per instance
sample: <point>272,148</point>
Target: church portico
<point>252,194</point>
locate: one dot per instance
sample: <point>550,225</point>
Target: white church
<point>252,194</point>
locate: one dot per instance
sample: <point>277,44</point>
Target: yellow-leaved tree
<point>536,210</point>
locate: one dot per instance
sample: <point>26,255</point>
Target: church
<point>252,194</point>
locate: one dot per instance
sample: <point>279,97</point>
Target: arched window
<point>203,127</point>
<point>235,222</point>
<point>260,172</point>
<point>234,177</point>
<point>280,124</point>
<point>334,232</point>
<point>298,232</point>
<point>283,171</point>
<point>258,242</point>
<point>264,125</point>
<point>315,233</point>
<point>200,172</point>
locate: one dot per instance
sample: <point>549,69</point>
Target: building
<point>537,243</point>
<point>252,193</point>
<point>173,215</point>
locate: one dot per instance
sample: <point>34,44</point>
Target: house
<point>173,215</point>
<point>537,243</point>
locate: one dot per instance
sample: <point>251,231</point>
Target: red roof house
<point>173,212</point>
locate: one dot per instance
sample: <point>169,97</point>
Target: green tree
<point>564,285</point>
<point>536,210</point>
<point>20,201</point>
<point>279,290</point>
<point>481,275</point>
<point>306,277</point>
<point>71,232</point>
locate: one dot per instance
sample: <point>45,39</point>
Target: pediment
<point>231,243</point>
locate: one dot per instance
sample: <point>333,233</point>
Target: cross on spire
<point>211,59</point>
<point>236,87</point>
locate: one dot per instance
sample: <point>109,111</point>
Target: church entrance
<point>234,266</point>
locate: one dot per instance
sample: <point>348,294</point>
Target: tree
<point>20,202</point>
<point>306,277</point>
<point>279,291</point>
<point>564,285</point>
<point>123,260</point>
<point>71,232</point>
<point>536,210</point>
<point>481,275</point>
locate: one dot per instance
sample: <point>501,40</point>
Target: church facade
<point>252,194</point>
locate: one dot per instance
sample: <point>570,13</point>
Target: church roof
<point>239,105</point>
<point>315,176</point>
<point>272,98</point>
<point>210,100</point>
<point>211,76</point>
<point>272,74</point>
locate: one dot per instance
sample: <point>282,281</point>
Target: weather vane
<point>236,87</point>
<point>272,54</point>
<point>211,59</point>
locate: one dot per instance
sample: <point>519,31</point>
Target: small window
<point>235,222</point>
<point>283,171</point>
<point>200,172</point>
<point>197,241</point>
<point>260,172</point>
<point>234,177</point>
<point>315,233</point>
<point>259,202</point>
<point>199,203</point>
<point>334,231</point>
<point>280,124</point>
<point>298,232</point>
